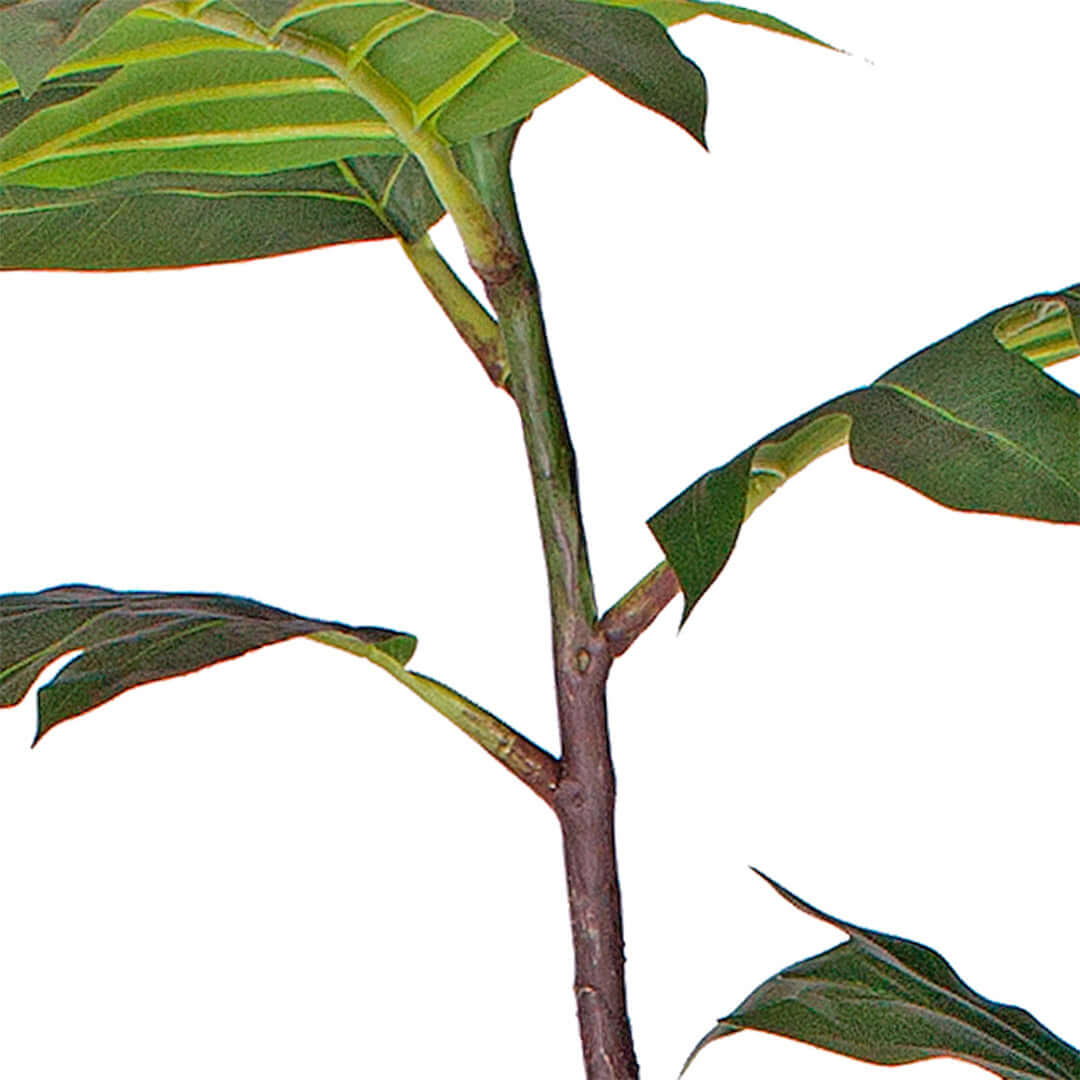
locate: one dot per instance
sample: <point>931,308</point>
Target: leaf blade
<point>130,92</point>
<point>37,37</point>
<point>972,422</point>
<point>175,220</point>
<point>891,1001</point>
<point>129,639</point>
<point>628,49</point>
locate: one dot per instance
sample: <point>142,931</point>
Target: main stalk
<point>584,799</point>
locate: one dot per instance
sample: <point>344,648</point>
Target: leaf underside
<point>127,639</point>
<point>891,1001</point>
<point>972,422</point>
<point>144,123</point>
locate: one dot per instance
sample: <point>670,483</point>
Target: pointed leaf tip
<point>626,48</point>
<point>891,1001</point>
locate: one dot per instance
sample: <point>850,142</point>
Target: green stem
<point>470,318</point>
<point>516,300</point>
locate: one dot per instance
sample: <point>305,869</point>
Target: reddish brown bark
<point>585,805</point>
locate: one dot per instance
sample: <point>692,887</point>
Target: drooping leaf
<point>972,422</point>
<point>127,639</point>
<point>628,49</point>
<point>168,219</point>
<point>891,1001</point>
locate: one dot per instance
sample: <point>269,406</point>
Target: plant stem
<point>584,799</point>
<point>634,613</point>
<point>585,796</point>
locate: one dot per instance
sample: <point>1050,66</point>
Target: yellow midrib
<point>63,144</point>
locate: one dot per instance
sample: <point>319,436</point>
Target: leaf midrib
<point>239,193</point>
<point>894,963</point>
<point>1003,440</point>
<point>424,111</point>
<point>56,649</point>
<point>1042,1061</point>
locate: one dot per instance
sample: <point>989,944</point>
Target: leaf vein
<point>996,436</point>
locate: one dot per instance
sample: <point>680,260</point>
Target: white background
<point>285,867</point>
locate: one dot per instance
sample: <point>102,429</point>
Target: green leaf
<point>431,58</point>
<point>891,1001</point>
<point>628,49</point>
<point>167,219</point>
<point>127,639</point>
<point>670,12</point>
<point>16,110</point>
<point>253,114</point>
<point>38,35</point>
<point>254,137</point>
<point>699,527</point>
<point>972,422</point>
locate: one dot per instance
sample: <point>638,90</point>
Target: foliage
<point>894,1002</point>
<point>174,134</point>
<point>973,422</point>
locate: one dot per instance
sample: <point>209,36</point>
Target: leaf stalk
<point>634,613</point>
<point>470,318</point>
<point>531,764</point>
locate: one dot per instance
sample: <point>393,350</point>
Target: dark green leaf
<point>891,1001</point>
<point>975,428</point>
<point>699,527</point>
<point>131,638</point>
<point>192,219</point>
<point>670,12</point>
<point>630,50</point>
<point>267,13</point>
<point>404,199</point>
<point>15,109</point>
<point>38,35</point>
<point>972,422</point>
<point>484,10</point>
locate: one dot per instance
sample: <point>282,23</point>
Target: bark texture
<point>585,805</point>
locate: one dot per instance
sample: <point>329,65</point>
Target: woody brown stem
<point>626,620</point>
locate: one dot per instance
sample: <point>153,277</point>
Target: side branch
<point>631,616</point>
